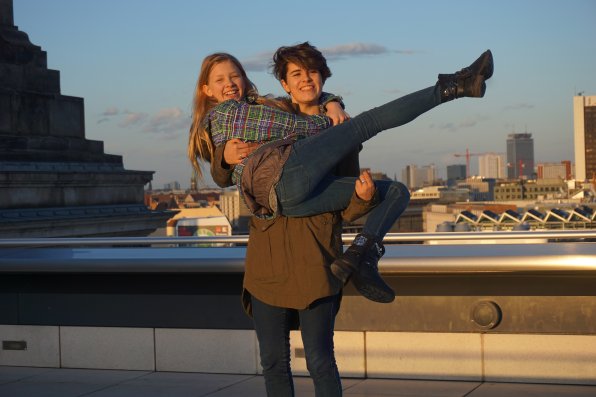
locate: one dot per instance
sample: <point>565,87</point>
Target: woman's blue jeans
<point>272,325</point>
<point>306,186</point>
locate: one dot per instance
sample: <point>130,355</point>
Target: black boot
<point>360,261</point>
<point>468,82</point>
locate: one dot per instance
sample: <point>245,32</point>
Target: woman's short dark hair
<point>305,55</point>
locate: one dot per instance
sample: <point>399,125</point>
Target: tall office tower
<point>584,136</point>
<point>456,172</point>
<point>491,165</point>
<point>520,156</point>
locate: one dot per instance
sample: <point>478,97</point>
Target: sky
<point>135,63</point>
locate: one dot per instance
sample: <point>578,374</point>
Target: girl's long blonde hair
<point>200,144</point>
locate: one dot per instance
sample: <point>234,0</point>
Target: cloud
<point>467,123</point>
<point>261,61</point>
<point>133,118</point>
<point>107,114</point>
<point>168,121</point>
<point>165,116</point>
<point>111,111</point>
<point>353,50</point>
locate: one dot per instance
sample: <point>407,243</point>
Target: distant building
<point>491,165</point>
<point>199,222</point>
<point>440,193</point>
<point>539,189</point>
<point>416,177</point>
<point>569,172</point>
<point>455,172</point>
<point>202,199</point>
<point>584,136</point>
<point>520,156</point>
<point>194,181</point>
<point>175,185</point>
<point>552,171</point>
<point>158,201</point>
<point>435,214</point>
<point>490,217</point>
<point>376,175</point>
<point>174,200</point>
<point>233,207</point>
<point>480,189</point>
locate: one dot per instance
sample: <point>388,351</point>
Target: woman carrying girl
<point>289,173</point>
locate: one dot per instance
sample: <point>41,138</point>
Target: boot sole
<point>372,293</point>
<point>488,64</point>
<point>485,72</point>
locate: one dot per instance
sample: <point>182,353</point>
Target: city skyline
<point>135,64</point>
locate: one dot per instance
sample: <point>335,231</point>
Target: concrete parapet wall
<point>569,359</point>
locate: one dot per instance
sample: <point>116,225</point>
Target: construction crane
<point>521,166</point>
<point>467,155</point>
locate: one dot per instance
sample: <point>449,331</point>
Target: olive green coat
<point>287,260</point>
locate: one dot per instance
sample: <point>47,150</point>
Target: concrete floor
<point>53,382</point>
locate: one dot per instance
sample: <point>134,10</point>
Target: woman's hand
<point>335,112</point>
<point>365,186</point>
<point>235,150</point>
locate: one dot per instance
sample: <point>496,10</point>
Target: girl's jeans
<point>306,186</point>
<point>272,325</point>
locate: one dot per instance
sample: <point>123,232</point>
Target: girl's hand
<point>336,113</point>
<point>235,150</point>
<point>365,186</point>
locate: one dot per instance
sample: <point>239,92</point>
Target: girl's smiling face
<point>225,82</point>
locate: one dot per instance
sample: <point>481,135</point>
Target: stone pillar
<point>30,99</point>
<point>6,13</point>
<point>49,173</point>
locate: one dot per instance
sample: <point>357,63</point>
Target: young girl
<point>289,173</point>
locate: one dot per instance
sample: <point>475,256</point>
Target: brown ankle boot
<point>468,82</point>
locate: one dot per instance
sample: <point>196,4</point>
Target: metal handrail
<point>564,257</point>
<point>243,239</point>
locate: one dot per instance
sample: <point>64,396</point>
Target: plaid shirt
<point>258,123</point>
